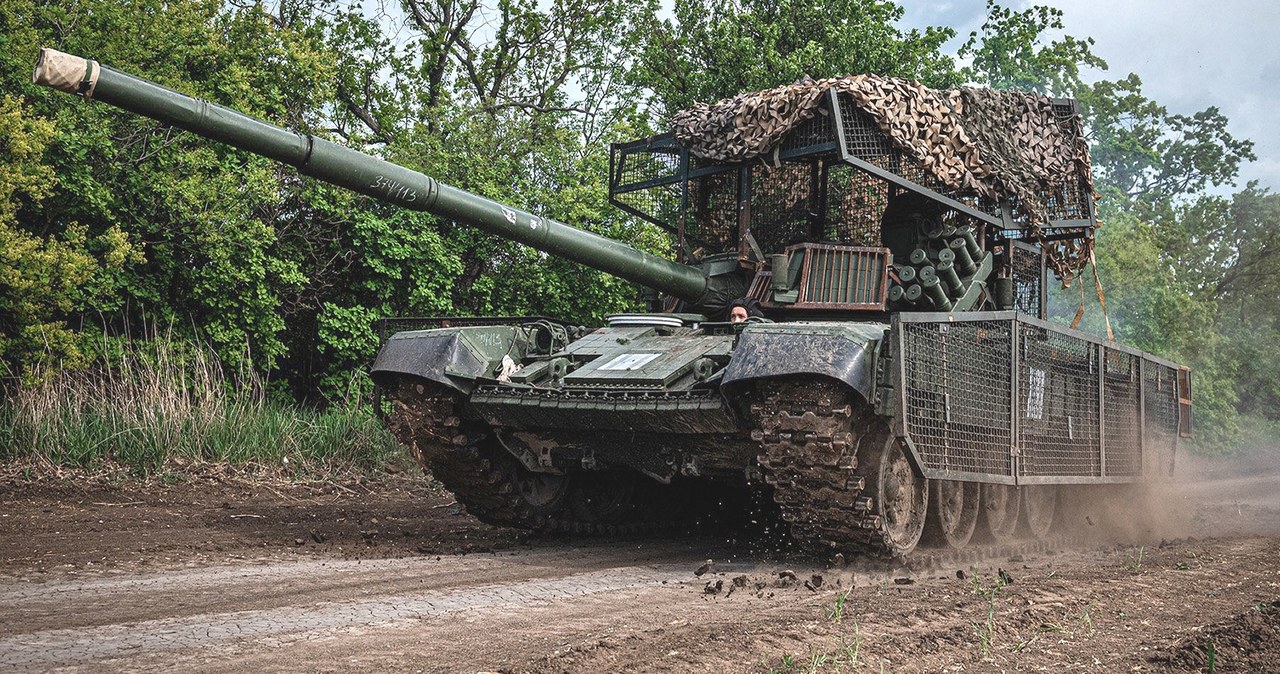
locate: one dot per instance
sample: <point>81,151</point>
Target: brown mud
<point>231,575</point>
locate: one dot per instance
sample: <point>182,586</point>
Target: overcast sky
<point>1190,54</point>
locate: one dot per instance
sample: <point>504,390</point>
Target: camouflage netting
<point>993,144</point>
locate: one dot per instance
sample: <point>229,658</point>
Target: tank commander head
<point>743,308</point>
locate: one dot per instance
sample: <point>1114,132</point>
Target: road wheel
<point>899,497</point>
<point>1039,503</point>
<point>1000,506</point>
<point>953,513</point>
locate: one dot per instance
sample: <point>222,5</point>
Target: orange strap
<point>1102,300</point>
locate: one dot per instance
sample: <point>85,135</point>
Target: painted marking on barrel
<point>509,214</point>
<point>394,190</point>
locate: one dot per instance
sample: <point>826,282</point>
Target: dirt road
<point>217,576</point>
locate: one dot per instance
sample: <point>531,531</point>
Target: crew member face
<point>738,314</point>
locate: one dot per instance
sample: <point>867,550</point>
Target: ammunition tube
<point>945,255</point>
<point>907,274</point>
<point>1004,292</point>
<point>919,256</point>
<point>964,262</point>
<point>975,251</point>
<point>926,274</point>
<point>933,288</point>
<point>913,293</point>
<point>947,272</point>
<point>896,293</point>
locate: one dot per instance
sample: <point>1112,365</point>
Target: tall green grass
<point>157,403</point>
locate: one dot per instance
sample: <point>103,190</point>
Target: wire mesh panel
<point>713,223</point>
<point>1057,409</point>
<point>818,130</point>
<point>1121,412</point>
<point>785,204</point>
<point>1028,278</point>
<point>854,206</point>
<point>1160,407</point>
<point>864,139</point>
<point>957,394</point>
<point>1081,411</point>
<point>646,181</point>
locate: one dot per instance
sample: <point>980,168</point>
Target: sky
<point>1190,54</point>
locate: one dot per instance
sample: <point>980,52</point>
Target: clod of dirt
<point>706,566</point>
<point>299,541</point>
<point>816,580</point>
<point>740,581</point>
<point>713,588</point>
<point>1246,642</point>
<point>961,574</point>
<point>1005,577</point>
<point>787,574</point>
<point>316,536</point>
<point>903,581</point>
<point>836,562</point>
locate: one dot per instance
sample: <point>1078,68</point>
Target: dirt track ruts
<point>216,577</point>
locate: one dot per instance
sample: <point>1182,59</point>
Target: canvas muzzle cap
<point>65,72</point>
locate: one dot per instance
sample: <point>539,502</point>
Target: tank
<point>894,377</point>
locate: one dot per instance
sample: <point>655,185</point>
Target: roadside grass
<point>157,405</point>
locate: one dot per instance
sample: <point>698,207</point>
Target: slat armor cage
<point>828,181</point>
<point>1005,397</point>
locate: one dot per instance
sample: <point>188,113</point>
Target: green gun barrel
<point>371,176</point>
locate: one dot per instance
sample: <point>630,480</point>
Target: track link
<point>811,435</point>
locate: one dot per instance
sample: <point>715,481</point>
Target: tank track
<point>462,455</point>
<point>810,435</point>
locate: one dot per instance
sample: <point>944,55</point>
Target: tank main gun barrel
<point>365,174</point>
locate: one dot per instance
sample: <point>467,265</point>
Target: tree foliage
<point>712,49</point>
<point>1181,266</point>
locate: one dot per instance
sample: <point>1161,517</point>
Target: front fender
<point>454,357</point>
<point>842,351</point>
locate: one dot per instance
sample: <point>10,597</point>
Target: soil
<point>218,574</point>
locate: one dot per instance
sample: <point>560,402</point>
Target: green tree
<point>712,49</point>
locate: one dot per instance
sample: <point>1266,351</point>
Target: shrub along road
<point>228,575</point>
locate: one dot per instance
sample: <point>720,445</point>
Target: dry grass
<point>158,402</point>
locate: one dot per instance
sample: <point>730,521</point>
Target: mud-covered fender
<point>455,357</point>
<point>841,351</point>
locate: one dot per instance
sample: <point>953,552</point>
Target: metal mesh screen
<point>1083,410</point>
<point>784,204</point>
<point>1028,278</point>
<point>1069,200</point>
<point>817,130</point>
<point>854,208</point>
<point>714,220</point>
<point>1058,404</point>
<point>659,203</point>
<point>1160,407</point>
<point>1121,413</point>
<point>957,394</point>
